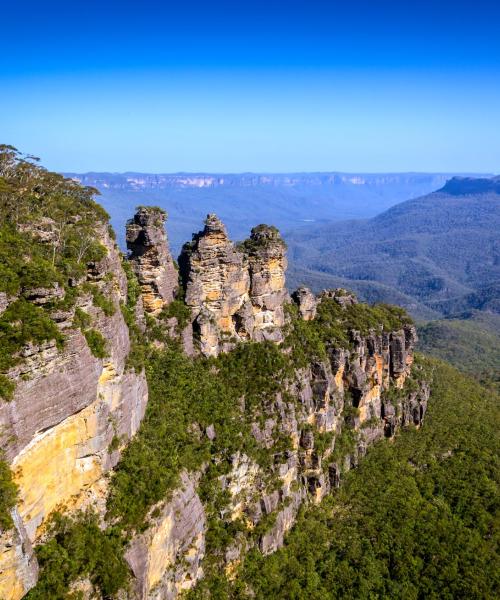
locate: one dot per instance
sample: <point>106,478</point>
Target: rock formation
<point>73,413</point>
<point>267,265</point>
<point>307,303</point>
<point>150,255</point>
<point>235,292</point>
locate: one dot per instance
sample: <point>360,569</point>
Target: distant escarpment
<point>287,200</point>
<point>158,424</point>
<point>458,186</point>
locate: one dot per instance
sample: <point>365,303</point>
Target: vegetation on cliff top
<point>333,325</point>
<point>48,228</point>
<point>48,225</point>
<point>417,519</point>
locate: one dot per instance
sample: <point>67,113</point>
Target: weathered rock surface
<point>267,266</point>
<point>236,293</point>
<point>166,560</point>
<point>18,565</point>
<point>150,255</point>
<point>307,303</point>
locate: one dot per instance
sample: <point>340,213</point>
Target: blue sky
<point>253,86</point>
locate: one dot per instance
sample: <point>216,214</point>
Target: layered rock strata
<point>149,253</point>
<point>68,408</point>
<point>166,559</point>
<point>236,293</point>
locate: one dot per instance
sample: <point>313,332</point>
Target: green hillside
<point>472,344</point>
<point>418,518</point>
<point>441,252</point>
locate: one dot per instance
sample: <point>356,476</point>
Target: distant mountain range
<point>437,255</point>
<point>241,200</point>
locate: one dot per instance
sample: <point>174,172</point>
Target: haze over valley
<point>288,201</point>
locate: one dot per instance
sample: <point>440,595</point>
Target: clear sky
<point>237,86</point>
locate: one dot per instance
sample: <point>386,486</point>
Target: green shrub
<point>137,355</point>
<point>8,494</point>
<point>133,287</point>
<point>7,388</point>
<point>105,304</point>
<point>77,549</point>
<point>96,343</point>
<point>180,311</point>
<point>81,320</point>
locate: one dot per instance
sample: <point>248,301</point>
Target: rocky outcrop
<point>150,255</point>
<point>68,408</point>
<point>236,293</point>
<point>267,265</point>
<point>306,302</point>
<point>216,279</point>
<point>341,296</point>
<point>331,412</point>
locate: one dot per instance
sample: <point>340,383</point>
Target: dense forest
<point>417,519</point>
<point>470,342</point>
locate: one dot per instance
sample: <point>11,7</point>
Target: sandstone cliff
<point>70,415</point>
<point>326,378</point>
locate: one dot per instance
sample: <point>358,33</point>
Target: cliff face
<point>67,409</point>
<point>341,376</point>
<point>166,560</point>
<point>235,293</point>
<point>331,410</point>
